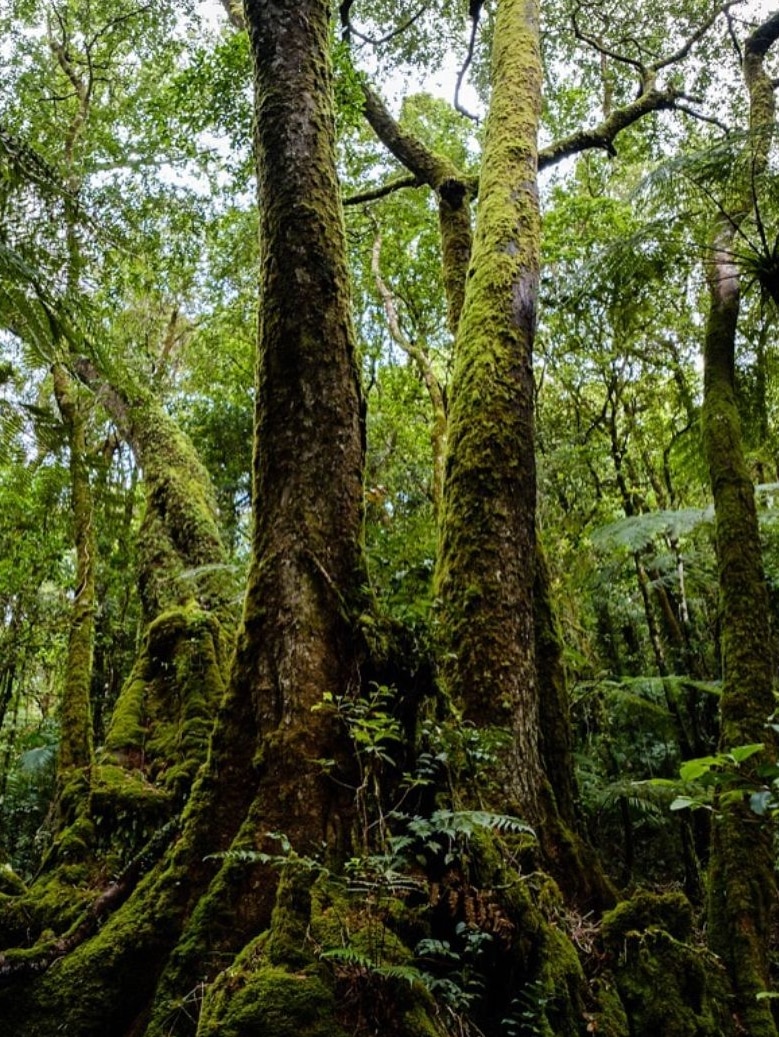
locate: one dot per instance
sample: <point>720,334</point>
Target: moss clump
<point>281,985</point>
<point>164,715</point>
<point>77,841</point>
<point>666,986</point>
<point>10,883</point>
<point>52,904</point>
<point>669,911</point>
<point>247,1000</point>
<point>609,1018</point>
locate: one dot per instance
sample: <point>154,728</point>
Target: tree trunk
<point>298,640</point>
<point>182,557</point>
<point>487,560</point>
<point>75,742</point>
<point>742,890</point>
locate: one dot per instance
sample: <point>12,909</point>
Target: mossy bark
<point>181,554</point>
<point>742,887</point>
<point>742,891</point>
<point>298,638</point>
<point>75,742</point>
<point>666,984</point>
<point>487,561</point>
<point>307,574</point>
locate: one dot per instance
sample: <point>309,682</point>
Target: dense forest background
<point>394,655</point>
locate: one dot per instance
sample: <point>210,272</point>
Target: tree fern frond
<point>637,532</point>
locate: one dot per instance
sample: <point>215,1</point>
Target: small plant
<point>717,780</point>
<point>527,1015</point>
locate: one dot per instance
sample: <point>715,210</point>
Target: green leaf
<point>743,752</point>
<point>691,770</point>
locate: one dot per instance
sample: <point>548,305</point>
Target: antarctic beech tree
<point>742,890</point>
<point>75,749</point>
<point>276,764</point>
<point>487,558</point>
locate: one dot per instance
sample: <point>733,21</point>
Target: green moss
<point>666,985</point>
<point>77,842</point>
<point>87,992</point>
<point>246,1001</point>
<point>669,911</point>
<point>609,1018</point>
<point>179,533</point>
<point>164,715</point>
<point>10,883</point>
<point>52,904</point>
<point>543,971</point>
<point>123,800</point>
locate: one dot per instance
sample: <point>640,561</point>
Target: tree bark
<point>742,888</point>
<point>487,560</point>
<point>298,640</point>
<point>182,556</point>
<point>75,743</point>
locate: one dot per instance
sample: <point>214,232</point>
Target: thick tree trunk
<point>298,640</point>
<point>267,769</point>
<point>742,888</point>
<point>487,562</point>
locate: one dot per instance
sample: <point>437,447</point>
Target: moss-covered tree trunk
<point>75,740</point>
<point>488,548</point>
<point>181,554</point>
<point>455,192</point>
<point>298,639</point>
<point>742,890</point>
<point>268,769</point>
<point>307,572</point>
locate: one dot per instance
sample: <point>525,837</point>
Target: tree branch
<point>348,30</point>
<point>427,166</point>
<point>372,194</point>
<point>603,135</point>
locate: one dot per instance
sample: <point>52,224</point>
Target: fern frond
<point>637,532</point>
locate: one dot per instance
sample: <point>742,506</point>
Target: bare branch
<point>733,37</point>
<point>464,69</point>
<point>598,45</point>
<point>388,302</point>
<point>372,194</point>
<point>698,35</point>
<point>114,22</point>
<point>370,40</point>
<point>424,364</point>
<point>680,106</point>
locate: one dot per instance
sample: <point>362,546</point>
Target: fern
<point>353,959</point>
<point>638,532</point>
